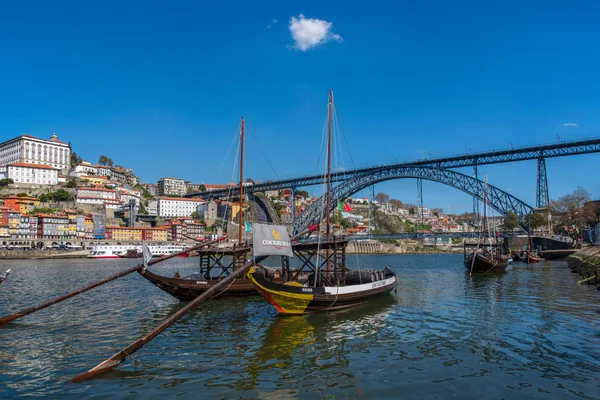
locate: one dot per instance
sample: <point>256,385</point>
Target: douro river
<point>531,332</point>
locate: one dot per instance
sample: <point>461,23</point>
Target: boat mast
<point>485,225</point>
<point>241,212</point>
<point>328,205</point>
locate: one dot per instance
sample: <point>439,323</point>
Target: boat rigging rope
<point>262,151</point>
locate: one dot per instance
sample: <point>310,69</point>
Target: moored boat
<point>324,290</point>
<point>216,262</point>
<point>329,285</point>
<point>486,260</point>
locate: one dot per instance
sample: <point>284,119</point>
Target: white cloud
<point>310,32</point>
<point>569,124</point>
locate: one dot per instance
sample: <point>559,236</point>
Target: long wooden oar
<point>12,317</point>
<point>474,257</point>
<point>119,357</point>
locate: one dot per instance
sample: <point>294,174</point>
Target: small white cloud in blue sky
<point>311,32</point>
<point>569,124</point>
<point>272,22</point>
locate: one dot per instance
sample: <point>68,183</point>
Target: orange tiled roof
<point>28,165</point>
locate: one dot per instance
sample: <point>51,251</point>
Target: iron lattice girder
<point>492,157</point>
<point>498,199</point>
<point>542,197</point>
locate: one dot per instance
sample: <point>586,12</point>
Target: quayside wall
<point>586,263</point>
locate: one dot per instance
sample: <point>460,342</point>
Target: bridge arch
<point>498,199</point>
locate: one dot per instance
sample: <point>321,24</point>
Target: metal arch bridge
<point>498,199</point>
<point>539,153</point>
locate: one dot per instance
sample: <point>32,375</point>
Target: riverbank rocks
<point>587,264</point>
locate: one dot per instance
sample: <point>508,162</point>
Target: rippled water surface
<point>529,333</point>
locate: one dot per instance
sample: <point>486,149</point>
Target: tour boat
<point>330,285</point>
<point>125,250</point>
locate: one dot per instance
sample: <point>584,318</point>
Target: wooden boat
<point>3,277</point>
<point>486,260</point>
<point>215,263</point>
<point>532,259</point>
<point>332,288</point>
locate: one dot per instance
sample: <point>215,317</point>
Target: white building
<point>84,168</point>
<point>177,207</point>
<point>37,174</point>
<point>31,150</point>
<point>97,196</point>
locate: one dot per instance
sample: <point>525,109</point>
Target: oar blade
<point>98,369</point>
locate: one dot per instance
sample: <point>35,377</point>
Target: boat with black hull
<point>327,283</point>
<point>488,258</point>
<point>216,262</point>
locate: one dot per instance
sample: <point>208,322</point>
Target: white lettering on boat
<point>377,284</point>
<point>201,283</point>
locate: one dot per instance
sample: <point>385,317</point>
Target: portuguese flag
<point>344,207</point>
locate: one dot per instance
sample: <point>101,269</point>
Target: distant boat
<point>131,251</point>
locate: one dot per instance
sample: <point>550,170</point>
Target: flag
<point>344,207</point>
<point>147,254</point>
<point>312,227</point>
<point>247,227</point>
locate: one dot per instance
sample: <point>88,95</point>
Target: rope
<point>587,279</point>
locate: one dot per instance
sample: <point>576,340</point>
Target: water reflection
<point>530,332</point>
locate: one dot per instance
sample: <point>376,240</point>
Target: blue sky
<point>160,86</point>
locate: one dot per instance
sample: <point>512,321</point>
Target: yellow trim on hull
<point>285,303</point>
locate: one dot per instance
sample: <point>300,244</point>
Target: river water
<point>531,332</point>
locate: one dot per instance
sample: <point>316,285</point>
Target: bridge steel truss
<point>468,160</point>
<point>498,199</point>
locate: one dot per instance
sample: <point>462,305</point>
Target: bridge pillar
<point>542,199</point>
<point>420,204</point>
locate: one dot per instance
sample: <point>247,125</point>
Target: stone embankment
<point>587,264</point>
<point>405,247</point>
<point>41,254</point>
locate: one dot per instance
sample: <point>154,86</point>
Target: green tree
<point>511,221</point>
<point>5,182</point>
<point>61,195</point>
<point>534,221</point>
<point>75,159</point>
<point>571,210</point>
<point>22,194</point>
<point>72,183</point>
<point>302,193</point>
<point>104,160</point>
<point>195,215</point>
